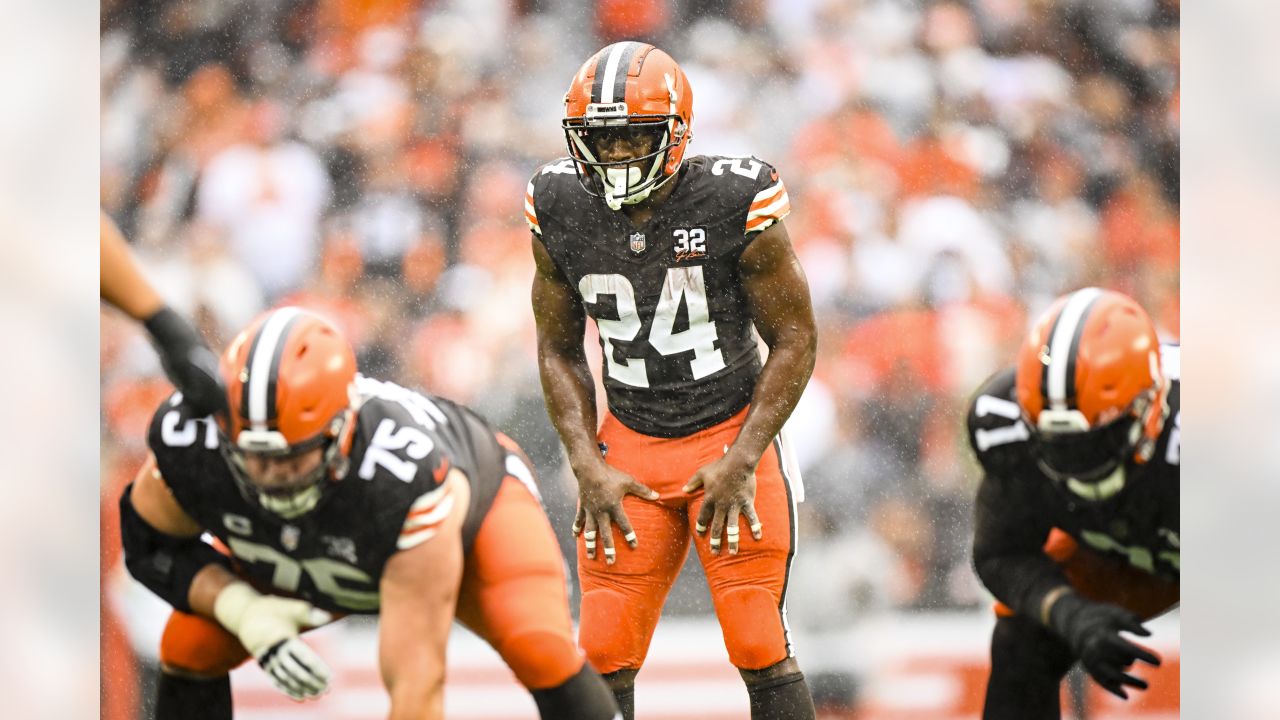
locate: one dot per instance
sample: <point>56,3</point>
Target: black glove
<point>189,363</point>
<point>1092,629</point>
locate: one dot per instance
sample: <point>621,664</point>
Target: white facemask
<point>618,182</point>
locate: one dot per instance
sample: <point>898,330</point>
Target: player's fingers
<point>1133,624</point>
<point>606,538</point>
<point>639,489</point>
<point>624,527</point>
<point>1133,681</point>
<point>704,517</point>
<point>753,521</point>
<point>1111,681</point>
<point>589,535</point>
<point>717,530</point>
<point>577,519</point>
<point>731,529</point>
<point>693,484</point>
<point>1138,652</point>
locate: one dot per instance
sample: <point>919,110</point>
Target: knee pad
<point>199,646</point>
<point>614,633</point>
<point>541,659</point>
<point>752,626</point>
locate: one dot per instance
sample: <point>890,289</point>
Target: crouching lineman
<point>336,494</point>
<point>1077,527</point>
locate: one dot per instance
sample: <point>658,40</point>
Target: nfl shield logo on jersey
<point>637,242</point>
<point>289,537</point>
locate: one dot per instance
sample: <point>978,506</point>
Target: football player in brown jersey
<point>1077,525</point>
<point>328,493</point>
<point>676,260</point>
<point>189,363</point>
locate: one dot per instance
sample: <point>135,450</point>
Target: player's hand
<point>189,363</point>
<point>268,627</point>
<point>600,492</point>
<point>730,485</point>
<point>1092,630</point>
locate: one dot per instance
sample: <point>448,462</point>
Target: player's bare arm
<point>419,591</point>
<point>570,394</point>
<point>121,283</point>
<point>783,314</point>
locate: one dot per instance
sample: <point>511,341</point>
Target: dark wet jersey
<point>676,332</point>
<point>403,444</point>
<point>1018,504</point>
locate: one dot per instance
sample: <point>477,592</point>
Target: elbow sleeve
<point>166,565</point>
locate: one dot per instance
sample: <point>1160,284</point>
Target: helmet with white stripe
<point>636,92</point>
<point>291,391</point>
<point>1089,380</point>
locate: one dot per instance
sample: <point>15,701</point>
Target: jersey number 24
<point>700,337</point>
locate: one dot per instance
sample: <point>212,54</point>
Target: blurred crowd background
<point>952,166</point>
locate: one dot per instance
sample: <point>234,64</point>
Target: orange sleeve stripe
<point>756,223</point>
<point>767,199</point>
<point>531,219</point>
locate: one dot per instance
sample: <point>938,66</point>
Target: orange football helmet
<point>633,90</point>
<point>1091,386</point>
<point>291,389</point>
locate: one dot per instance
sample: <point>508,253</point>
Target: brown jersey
<point>1017,504</point>
<point>391,498</point>
<point>680,351</point>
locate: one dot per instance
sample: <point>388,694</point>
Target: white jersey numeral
<point>685,283</point>
<point>735,165</point>
<point>324,573</point>
<point>185,435</point>
<point>630,370</point>
<point>700,337</point>
<point>387,438</point>
<point>986,438</point>
<point>1138,556</point>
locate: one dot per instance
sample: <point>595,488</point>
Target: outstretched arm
<point>122,283</point>
<point>419,591</point>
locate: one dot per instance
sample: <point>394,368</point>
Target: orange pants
<point>1103,579</point>
<point>621,603</point>
<point>513,594</point>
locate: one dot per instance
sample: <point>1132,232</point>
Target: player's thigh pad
<point>199,646</point>
<point>621,603</point>
<point>748,589</point>
<point>514,592</point>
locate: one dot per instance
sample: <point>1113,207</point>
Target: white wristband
<point>231,603</point>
